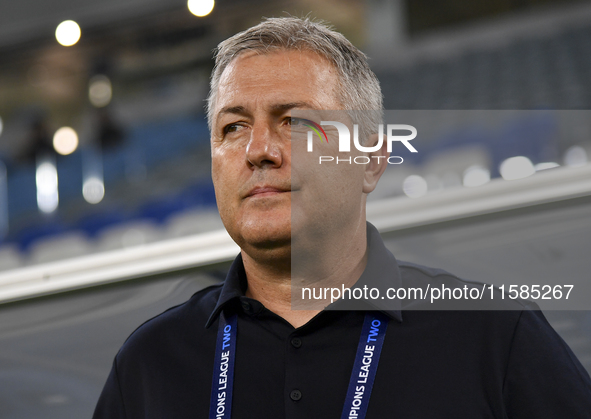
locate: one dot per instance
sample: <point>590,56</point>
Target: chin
<point>265,233</point>
<point>268,238</point>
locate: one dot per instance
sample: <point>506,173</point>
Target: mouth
<point>265,191</point>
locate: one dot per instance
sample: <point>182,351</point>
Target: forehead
<point>265,78</point>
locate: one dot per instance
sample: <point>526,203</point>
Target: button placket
<point>293,376</point>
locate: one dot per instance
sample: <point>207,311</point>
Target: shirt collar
<point>381,272</point>
<point>233,288</point>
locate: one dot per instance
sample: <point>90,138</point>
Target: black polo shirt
<point>434,364</point>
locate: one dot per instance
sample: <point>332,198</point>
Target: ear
<point>378,161</point>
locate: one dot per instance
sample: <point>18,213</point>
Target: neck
<point>271,283</point>
<point>272,287</point>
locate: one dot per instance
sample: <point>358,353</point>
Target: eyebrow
<point>292,105</point>
<point>282,107</point>
<point>233,110</point>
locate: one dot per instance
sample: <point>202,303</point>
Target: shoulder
<point>446,291</point>
<point>543,376</point>
<point>415,274</point>
<point>173,325</point>
<point>515,327</point>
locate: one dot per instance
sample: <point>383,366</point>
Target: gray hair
<point>359,88</point>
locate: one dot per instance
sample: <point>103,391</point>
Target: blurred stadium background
<point>105,183</point>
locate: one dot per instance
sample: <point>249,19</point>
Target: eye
<point>297,125</point>
<point>232,128</point>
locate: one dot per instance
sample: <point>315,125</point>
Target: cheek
<point>216,177</point>
<point>222,159</point>
<point>228,175</point>
<point>221,176</point>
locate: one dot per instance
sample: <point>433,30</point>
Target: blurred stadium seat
<point>97,221</point>
<point>132,233</point>
<point>30,234</point>
<point>161,208</point>
<point>456,160</point>
<point>62,246</point>
<point>390,183</point>
<point>193,221</point>
<point>10,257</point>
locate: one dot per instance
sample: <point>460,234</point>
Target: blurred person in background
<point>39,140</point>
<point>110,133</point>
<point>239,349</point>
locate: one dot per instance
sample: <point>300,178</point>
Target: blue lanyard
<point>220,406</point>
<point>365,366</point>
<point>360,384</point>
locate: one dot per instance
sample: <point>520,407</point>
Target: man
<point>239,349</point>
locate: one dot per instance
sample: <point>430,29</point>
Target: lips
<point>261,191</point>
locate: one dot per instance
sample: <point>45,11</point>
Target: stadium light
<point>200,8</point>
<point>46,180</point>
<point>93,190</point>
<point>67,33</point>
<point>65,141</point>
<point>100,91</point>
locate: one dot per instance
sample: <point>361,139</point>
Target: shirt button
<point>295,395</point>
<point>246,306</point>
<point>296,342</point>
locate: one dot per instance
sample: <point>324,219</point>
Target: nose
<point>265,147</point>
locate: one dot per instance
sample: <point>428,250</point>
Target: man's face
<point>251,141</point>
